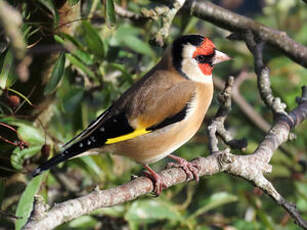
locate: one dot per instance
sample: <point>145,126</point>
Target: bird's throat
<point>206,69</point>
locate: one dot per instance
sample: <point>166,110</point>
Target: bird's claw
<point>157,181</point>
<point>191,169</point>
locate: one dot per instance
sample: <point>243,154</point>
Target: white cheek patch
<point>190,68</point>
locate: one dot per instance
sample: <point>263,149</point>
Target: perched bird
<point>158,114</point>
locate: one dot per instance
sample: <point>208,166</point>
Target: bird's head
<point>194,56</point>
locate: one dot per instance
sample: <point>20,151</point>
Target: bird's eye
<point>201,58</point>
<point>204,59</point>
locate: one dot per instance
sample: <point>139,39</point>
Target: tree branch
<point>249,167</point>
<point>238,23</point>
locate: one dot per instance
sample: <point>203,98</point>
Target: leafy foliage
<point>98,61</point>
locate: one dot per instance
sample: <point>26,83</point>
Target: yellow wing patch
<point>135,133</point>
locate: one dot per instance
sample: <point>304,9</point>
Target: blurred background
<point>77,57</point>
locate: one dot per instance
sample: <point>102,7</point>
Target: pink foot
<point>190,169</point>
<point>159,185</point>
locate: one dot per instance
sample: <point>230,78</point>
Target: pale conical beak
<point>219,57</point>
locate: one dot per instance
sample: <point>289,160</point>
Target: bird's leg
<point>190,169</point>
<point>156,178</point>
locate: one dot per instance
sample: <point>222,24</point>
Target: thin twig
<point>122,12</point>
<point>244,106</point>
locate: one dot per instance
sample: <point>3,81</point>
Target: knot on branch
<point>40,208</point>
<point>225,158</point>
<point>266,168</point>
<point>278,106</point>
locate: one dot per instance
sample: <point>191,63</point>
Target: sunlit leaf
<point>83,222</point>
<point>25,204</point>
<point>116,211</point>
<point>56,76</point>
<point>30,134</point>
<point>150,210</point>
<point>302,204</point>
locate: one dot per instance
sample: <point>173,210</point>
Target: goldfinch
<point>158,114</point>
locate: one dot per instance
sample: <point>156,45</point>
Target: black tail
<point>66,154</point>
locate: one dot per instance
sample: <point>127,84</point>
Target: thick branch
<point>237,23</point>
<point>74,208</point>
<point>249,167</point>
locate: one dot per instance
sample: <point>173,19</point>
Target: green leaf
<point>214,201</point>
<point>56,76</point>
<point>83,222</point>
<point>137,45</point>
<point>151,210</point>
<point>30,134</point>
<point>93,40</point>
<point>6,76</point>
<point>115,211</point>
<point>83,56</point>
<point>19,156</point>
<point>76,48</point>
<point>110,13</point>
<point>80,66</point>
<point>302,188</point>
<point>128,36</point>
<point>25,203</point>
<point>126,30</point>
<point>302,204</point>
